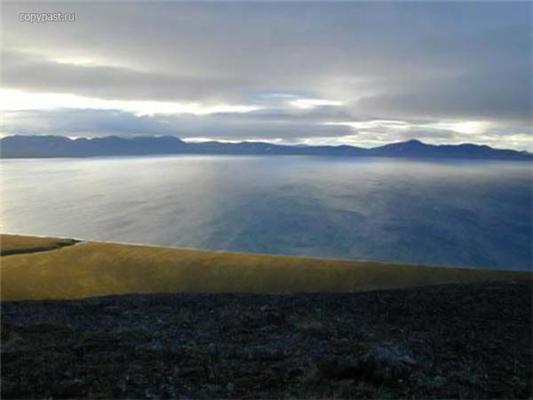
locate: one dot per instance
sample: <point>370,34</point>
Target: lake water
<point>440,213</point>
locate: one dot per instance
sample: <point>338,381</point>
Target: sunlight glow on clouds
<point>307,104</point>
<point>468,127</point>
<point>377,123</point>
<point>17,100</point>
<point>465,127</point>
<point>84,61</point>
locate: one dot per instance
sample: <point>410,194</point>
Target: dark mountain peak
<point>406,146</point>
<point>408,143</point>
<point>414,142</point>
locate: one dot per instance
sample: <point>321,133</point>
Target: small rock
<point>212,349</point>
<point>383,363</point>
<point>312,328</point>
<point>438,382</point>
<point>387,362</point>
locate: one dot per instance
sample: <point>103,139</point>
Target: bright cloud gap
<point>17,100</point>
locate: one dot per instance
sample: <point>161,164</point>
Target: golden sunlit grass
<point>94,269</point>
<point>14,244</point>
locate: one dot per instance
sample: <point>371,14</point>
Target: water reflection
<point>442,213</point>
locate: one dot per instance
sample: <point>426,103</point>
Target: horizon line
<point>194,140</point>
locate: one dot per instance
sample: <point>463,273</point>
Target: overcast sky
<point>290,72</point>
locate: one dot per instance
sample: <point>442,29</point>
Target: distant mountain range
<point>19,146</point>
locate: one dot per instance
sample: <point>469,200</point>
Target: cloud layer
<point>335,72</point>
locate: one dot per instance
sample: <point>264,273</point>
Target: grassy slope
<point>15,244</point>
<point>93,269</point>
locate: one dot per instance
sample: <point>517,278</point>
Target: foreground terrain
<point>448,341</point>
<point>48,268</point>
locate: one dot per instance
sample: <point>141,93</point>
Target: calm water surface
<point>440,213</point>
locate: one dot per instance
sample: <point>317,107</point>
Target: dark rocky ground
<point>451,341</point>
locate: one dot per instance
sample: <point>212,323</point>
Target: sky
<point>355,73</point>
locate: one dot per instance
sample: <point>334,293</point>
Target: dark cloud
<point>32,73</point>
<point>82,122</point>
<point>460,99</point>
<point>113,122</point>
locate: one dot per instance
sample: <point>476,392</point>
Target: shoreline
<point>89,269</point>
<point>80,241</point>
